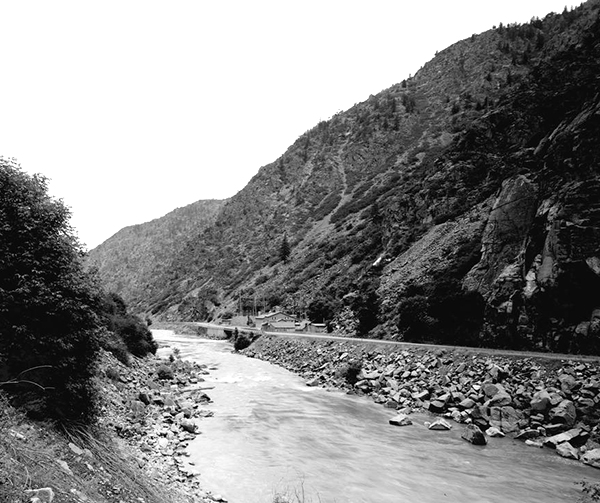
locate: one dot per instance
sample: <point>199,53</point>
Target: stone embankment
<point>155,406</point>
<point>545,403</point>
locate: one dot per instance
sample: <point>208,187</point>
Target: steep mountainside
<point>454,206</point>
<point>130,261</point>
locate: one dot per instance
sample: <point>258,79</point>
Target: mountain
<point>457,206</point>
<point>129,261</point>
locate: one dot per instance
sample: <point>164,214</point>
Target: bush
<point>130,329</point>
<point>350,371</point>
<point>241,340</point>
<point>165,372</point>
<point>48,302</point>
<point>112,343</point>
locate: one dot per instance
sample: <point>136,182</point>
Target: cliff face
<point>455,206</point>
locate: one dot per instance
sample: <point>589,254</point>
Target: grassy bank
<point>132,455</point>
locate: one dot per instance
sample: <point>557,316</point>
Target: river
<point>271,434</point>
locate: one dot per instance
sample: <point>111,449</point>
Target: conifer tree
<point>284,249</point>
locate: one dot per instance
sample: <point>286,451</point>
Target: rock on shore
<point>156,407</point>
<point>555,403</point>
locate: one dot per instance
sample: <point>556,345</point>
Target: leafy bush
<point>165,372</point>
<point>322,308</point>
<point>130,329</point>
<point>241,340</point>
<point>48,302</point>
<point>112,343</point>
<point>350,371</point>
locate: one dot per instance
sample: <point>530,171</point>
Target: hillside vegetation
<point>131,260</point>
<point>457,206</point>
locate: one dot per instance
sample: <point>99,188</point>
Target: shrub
<point>350,371</point>
<point>130,329</point>
<point>165,372</point>
<point>241,340</point>
<point>48,302</point>
<point>112,343</point>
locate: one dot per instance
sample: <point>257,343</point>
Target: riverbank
<point>136,453</point>
<point>545,403</point>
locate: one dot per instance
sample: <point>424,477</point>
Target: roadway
<point>413,345</point>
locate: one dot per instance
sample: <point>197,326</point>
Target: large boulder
<point>575,436</point>
<point>401,420</point>
<point>592,458</point>
<point>510,419</point>
<point>474,435</point>
<point>437,406</point>
<point>566,450</point>
<point>440,424</point>
<point>540,402</point>
<point>564,413</point>
<point>567,383</point>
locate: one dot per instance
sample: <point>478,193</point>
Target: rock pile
<point>550,403</point>
<point>155,406</point>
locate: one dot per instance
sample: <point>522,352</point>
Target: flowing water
<point>271,434</point>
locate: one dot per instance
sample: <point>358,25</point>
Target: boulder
<point>489,390</point>
<point>440,424</point>
<point>421,395</point>
<point>474,435</point>
<point>492,431</point>
<point>401,420</point>
<point>575,436</point>
<point>534,443</point>
<point>437,406</point>
<point>510,419</point>
<point>540,401</point>
<point>144,398</point>
<point>480,417</point>
<point>314,382</point>
<point>188,425</point>
<point>592,458</point>
<point>467,403</point>
<point>566,450</point>
<point>527,435</point>
<point>564,413</point>
<point>567,383</point>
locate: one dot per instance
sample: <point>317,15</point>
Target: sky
<point>134,108</point>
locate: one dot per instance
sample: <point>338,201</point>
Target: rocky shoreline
<point>155,408</point>
<point>543,402</point>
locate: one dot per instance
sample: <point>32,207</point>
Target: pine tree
<point>284,249</point>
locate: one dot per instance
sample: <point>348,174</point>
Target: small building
<point>275,317</point>
<point>279,326</point>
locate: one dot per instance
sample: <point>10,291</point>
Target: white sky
<point>135,108</point>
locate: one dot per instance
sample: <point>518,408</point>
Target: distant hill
<point>457,206</point>
<point>130,261</point>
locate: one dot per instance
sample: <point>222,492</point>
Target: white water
<point>272,434</point>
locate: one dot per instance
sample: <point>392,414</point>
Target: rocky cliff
<point>457,206</point>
